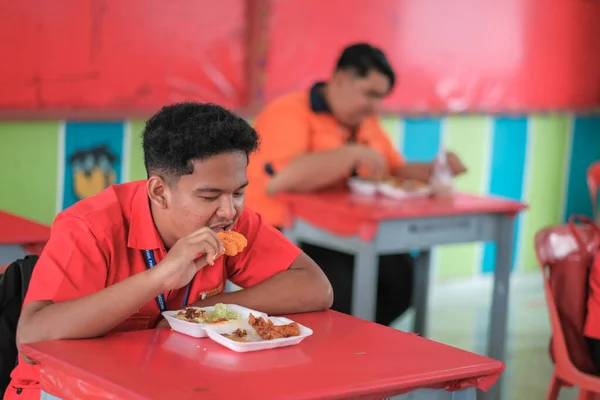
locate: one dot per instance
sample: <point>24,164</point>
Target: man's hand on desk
<point>423,171</point>
<point>372,161</point>
<point>455,164</point>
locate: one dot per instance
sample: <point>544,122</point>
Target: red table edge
<point>87,377</point>
<point>466,379</point>
<point>28,221</point>
<point>513,209</point>
<point>369,225</point>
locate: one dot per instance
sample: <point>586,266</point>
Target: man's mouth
<point>220,227</point>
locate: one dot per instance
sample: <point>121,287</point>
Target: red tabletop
<point>18,230</point>
<point>345,358</point>
<point>346,213</point>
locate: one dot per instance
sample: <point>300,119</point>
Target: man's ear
<point>158,191</point>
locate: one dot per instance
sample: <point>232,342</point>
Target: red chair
<point>593,182</point>
<point>552,245</point>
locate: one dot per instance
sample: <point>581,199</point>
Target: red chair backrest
<point>565,254</point>
<point>593,182</point>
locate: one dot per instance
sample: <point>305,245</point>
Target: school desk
<point>370,226</point>
<point>20,236</point>
<point>345,358</point>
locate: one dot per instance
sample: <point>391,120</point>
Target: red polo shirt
<point>99,241</point>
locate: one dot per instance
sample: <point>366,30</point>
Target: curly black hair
<point>184,132</point>
<point>362,58</point>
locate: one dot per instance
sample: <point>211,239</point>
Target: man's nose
<point>226,209</point>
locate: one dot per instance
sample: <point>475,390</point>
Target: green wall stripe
<point>137,171</point>
<point>391,126</point>
<point>468,137</point>
<point>547,184</point>
<point>29,165</point>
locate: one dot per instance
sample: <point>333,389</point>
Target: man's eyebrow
<point>207,190</point>
<point>216,190</point>
<point>243,186</point>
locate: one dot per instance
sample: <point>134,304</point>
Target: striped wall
<point>539,159</point>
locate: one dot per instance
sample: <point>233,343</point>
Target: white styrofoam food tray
<point>370,188</point>
<point>362,186</point>
<point>199,330</point>
<point>255,343</point>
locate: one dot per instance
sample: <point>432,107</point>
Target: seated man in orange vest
<point>316,139</point>
<point>118,259</point>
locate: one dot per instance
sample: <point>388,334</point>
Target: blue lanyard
<point>160,299</point>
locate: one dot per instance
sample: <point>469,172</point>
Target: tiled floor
<point>459,314</point>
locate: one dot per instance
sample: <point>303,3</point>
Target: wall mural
<point>93,159</point>
<point>93,171</point>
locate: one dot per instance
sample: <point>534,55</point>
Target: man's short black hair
<point>184,132</point>
<point>362,58</point>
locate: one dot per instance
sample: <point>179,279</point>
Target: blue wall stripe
<point>421,139</point>
<point>585,149</point>
<point>509,152</point>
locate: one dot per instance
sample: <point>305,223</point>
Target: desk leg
<point>364,285</point>
<point>421,292</point>
<point>10,253</point>
<point>47,396</point>
<point>499,313</point>
<point>440,394</point>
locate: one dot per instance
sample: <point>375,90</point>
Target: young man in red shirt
<point>116,260</point>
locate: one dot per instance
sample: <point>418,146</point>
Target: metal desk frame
<point>397,236</point>
<point>10,253</point>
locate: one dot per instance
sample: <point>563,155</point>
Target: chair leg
<point>554,389</point>
<point>585,395</point>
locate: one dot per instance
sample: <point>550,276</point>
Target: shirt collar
<point>318,103</point>
<point>142,232</point>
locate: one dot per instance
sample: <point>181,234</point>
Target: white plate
<point>362,186</point>
<point>397,193</point>
<point>243,347</point>
<point>198,330</point>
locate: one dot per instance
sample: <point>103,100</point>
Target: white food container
<point>199,330</point>
<point>394,192</point>
<point>362,186</point>
<point>255,343</point>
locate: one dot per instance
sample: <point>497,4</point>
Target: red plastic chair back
<point>593,182</point>
<point>565,253</point>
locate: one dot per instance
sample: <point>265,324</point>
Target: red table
<point>370,226</point>
<point>345,358</point>
<point>20,236</point>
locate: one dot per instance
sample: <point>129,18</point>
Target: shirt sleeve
<point>268,252</point>
<point>284,134</point>
<point>72,264</point>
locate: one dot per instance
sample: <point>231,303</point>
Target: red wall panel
<point>464,55</point>
<point>121,55</point>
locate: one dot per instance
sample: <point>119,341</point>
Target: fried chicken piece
<point>269,331</point>
<point>234,242</point>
